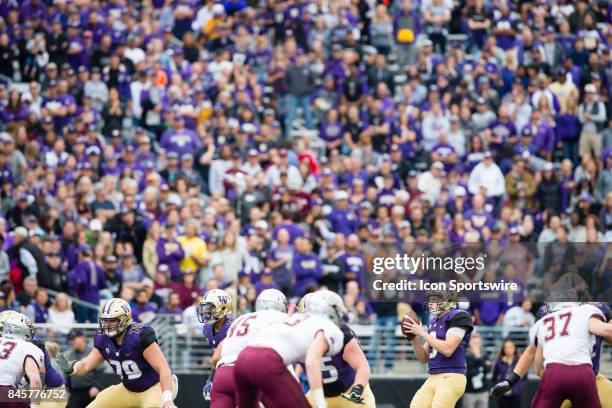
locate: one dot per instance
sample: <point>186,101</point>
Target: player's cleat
<point>355,394</point>
<point>67,366</point>
<point>503,387</point>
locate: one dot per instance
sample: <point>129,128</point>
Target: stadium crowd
<point>154,150</point>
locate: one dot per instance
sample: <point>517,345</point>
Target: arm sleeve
<point>147,337</point>
<point>461,320</point>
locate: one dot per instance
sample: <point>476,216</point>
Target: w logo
<point>223,299</point>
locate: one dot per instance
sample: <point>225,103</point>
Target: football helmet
<point>562,299</point>
<point>214,306</point>
<point>327,304</point>
<point>18,326</point>
<point>115,317</point>
<point>444,300</point>
<point>271,299</point>
<point>5,315</point>
<point>301,307</point>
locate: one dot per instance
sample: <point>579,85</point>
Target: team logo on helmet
<point>214,306</point>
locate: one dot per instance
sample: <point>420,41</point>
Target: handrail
<point>74,300</point>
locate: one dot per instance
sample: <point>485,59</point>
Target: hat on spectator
<point>590,88</point>
<point>21,232</point>
<point>460,191</point>
<point>95,150</point>
<point>163,268</point>
<point>108,259</point>
<point>261,224</point>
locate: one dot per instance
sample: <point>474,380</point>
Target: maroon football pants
<point>567,382</point>
<point>222,393</point>
<point>260,373</point>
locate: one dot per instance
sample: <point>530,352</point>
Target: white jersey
<point>291,338</point>
<point>13,354</point>
<point>564,335</point>
<point>243,329</point>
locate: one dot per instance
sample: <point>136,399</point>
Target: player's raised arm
<point>155,357</point>
<point>81,367</point>
<point>315,353</point>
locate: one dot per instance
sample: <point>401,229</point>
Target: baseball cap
<point>590,88</point>
<point>74,333</point>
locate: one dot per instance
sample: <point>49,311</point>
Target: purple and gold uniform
<point>446,382</point>
<point>215,337</point>
<point>139,380</point>
<point>339,377</point>
<point>52,379</point>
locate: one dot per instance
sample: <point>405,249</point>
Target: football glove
<point>206,390</point>
<point>503,387</point>
<point>355,394</point>
<point>67,366</point>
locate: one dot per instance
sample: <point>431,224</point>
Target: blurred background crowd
<point>154,150</point>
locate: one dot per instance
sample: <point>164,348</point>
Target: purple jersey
<point>53,379</point>
<point>214,338</point>
<point>596,354</point>
<point>127,359</point>
<point>439,326</point>
<point>341,377</point>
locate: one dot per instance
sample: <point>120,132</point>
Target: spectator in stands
<point>5,266</point>
<point>61,314</point>
<point>143,310</point>
<point>114,280</point>
<point>306,266</point>
<point>131,273</point>
<point>194,248</point>
<point>299,82</point>
<point>592,114</point>
<point>38,310</point>
<point>520,315</point>
<point>187,289</point>
<point>478,367</point>
<point>83,389</point>
<point>190,314</point>
<point>86,280</point>
<point>520,185</point>
<point>150,258</point>
<point>506,360</point>
<point>25,298</point>
<point>280,261</point>
<point>170,251</point>
<point>173,308</point>
<point>58,277</point>
<point>30,259</point>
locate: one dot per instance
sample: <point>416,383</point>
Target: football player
<point>261,368</point>
<point>346,374</point>
<point>270,308</point>
<point>53,379</point>
<point>132,350</point>
<point>566,338</point>
<point>19,357</point>
<point>215,311</point>
<point>603,385</point>
<point>446,339</point>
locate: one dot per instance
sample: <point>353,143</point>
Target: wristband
<point>319,398</point>
<point>358,389</point>
<point>513,378</point>
<point>167,396</point>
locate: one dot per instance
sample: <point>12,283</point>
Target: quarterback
<point>131,349</point>
<point>446,339</point>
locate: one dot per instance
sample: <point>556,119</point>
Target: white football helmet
<point>271,299</point>
<point>327,304</point>
<point>18,326</point>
